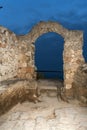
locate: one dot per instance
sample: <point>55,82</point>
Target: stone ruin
<point>17,56</point>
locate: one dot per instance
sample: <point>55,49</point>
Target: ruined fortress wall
<point>8,54</point>
<point>17,52</point>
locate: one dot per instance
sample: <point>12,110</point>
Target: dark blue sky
<point>21,15</point>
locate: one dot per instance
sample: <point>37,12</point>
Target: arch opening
<point>49,56</point>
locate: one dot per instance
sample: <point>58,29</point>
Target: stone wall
<point>80,83</point>
<point>8,54</point>
<point>17,52</point>
<point>73,57</point>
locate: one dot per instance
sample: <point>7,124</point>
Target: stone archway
<point>25,49</point>
<point>72,55</point>
<point>17,61</point>
<point>49,56</point>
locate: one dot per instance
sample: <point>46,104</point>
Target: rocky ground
<point>50,114</point>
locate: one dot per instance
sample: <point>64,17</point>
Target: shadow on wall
<point>49,56</point>
<point>80,84</point>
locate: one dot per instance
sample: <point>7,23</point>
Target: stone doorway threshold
<point>50,114</point>
<point>49,86</point>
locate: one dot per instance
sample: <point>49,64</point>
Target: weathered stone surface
<point>18,93</point>
<point>17,52</point>
<point>8,54</point>
<point>80,83</point>
<point>47,115</point>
